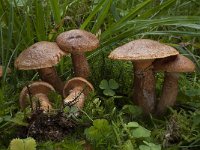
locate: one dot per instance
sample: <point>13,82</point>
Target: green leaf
<point>128,145</point>
<point>132,125</point>
<point>74,109</point>
<point>132,110</point>
<point>17,144</point>
<point>149,146</point>
<point>100,123</point>
<point>29,144</point>
<point>19,119</point>
<point>104,84</point>
<point>23,144</point>
<point>141,132</point>
<point>108,92</point>
<point>113,84</point>
<point>98,131</point>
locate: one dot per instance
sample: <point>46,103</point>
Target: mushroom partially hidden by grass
<point>42,56</point>
<point>76,90</point>
<point>142,53</point>
<point>77,42</point>
<point>172,67</point>
<point>36,94</point>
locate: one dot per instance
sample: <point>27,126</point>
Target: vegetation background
<point>113,119</point>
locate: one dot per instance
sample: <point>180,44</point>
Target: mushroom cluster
<point>43,56</point>
<point>148,57</point>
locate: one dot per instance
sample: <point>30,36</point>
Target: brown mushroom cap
<point>142,49</point>
<point>77,41</point>
<point>1,70</point>
<point>77,82</point>
<point>179,64</point>
<point>40,55</point>
<point>37,87</point>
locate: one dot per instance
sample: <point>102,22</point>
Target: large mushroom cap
<point>38,87</point>
<point>179,64</point>
<point>77,41</point>
<point>77,82</point>
<point>1,70</point>
<point>142,49</point>
<point>40,55</point>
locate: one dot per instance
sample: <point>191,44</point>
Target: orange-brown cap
<point>77,41</point>
<point>40,55</point>
<point>142,49</point>
<point>77,82</point>
<point>38,87</point>
<point>1,70</point>
<point>179,64</point>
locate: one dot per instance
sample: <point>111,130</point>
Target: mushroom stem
<point>144,86</point>
<point>43,102</point>
<point>76,97</point>
<point>80,65</point>
<point>169,92</point>
<point>50,75</point>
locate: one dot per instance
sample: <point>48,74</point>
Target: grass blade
<point>39,21</point>
<point>156,10</point>
<point>126,18</point>
<point>194,34</point>
<point>92,14</point>
<point>55,11</point>
<point>102,15</point>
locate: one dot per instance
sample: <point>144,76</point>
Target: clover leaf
<point>108,87</point>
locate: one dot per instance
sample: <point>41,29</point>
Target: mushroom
<point>172,68</point>
<point>42,56</point>
<point>2,69</point>
<point>77,42</point>
<point>37,91</point>
<point>142,53</point>
<point>76,90</point>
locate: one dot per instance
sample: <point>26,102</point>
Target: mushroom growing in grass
<point>142,53</point>
<point>172,68</point>
<point>36,93</point>
<point>76,90</point>
<point>77,42</point>
<point>42,56</point>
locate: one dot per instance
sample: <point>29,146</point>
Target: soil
<point>44,126</point>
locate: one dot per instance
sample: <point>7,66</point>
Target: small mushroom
<point>2,69</point>
<point>36,92</point>
<point>142,53</point>
<point>172,68</point>
<point>42,56</point>
<point>76,90</point>
<point>77,42</point>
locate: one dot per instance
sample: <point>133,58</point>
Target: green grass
<point>115,22</point>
